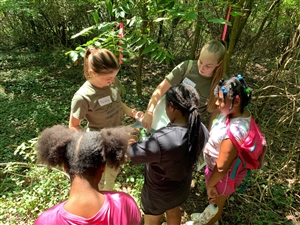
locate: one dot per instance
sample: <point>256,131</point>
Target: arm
<point>212,117</point>
<point>160,90</point>
<point>75,124</point>
<point>228,154</point>
<point>131,112</point>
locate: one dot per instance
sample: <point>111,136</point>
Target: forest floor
<point>36,91</point>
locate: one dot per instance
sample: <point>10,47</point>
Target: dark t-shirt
<point>167,177</point>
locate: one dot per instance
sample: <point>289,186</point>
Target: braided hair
<point>233,88</point>
<point>185,99</point>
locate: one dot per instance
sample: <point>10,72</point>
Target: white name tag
<point>104,101</point>
<point>187,81</point>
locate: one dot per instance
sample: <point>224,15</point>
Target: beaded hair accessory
<point>234,89</point>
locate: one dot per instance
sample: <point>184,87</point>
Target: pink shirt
<point>119,208</point>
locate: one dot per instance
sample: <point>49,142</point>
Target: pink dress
<point>119,208</point>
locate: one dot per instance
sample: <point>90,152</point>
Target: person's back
<point>169,144</point>
<point>84,156</point>
<point>170,155</point>
<point>118,208</point>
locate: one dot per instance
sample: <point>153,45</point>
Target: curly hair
<point>83,152</point>
<point>185,98</point>
<point>233,87</point>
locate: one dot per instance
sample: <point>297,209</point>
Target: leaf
<point>122,14</point>
<point>236,13</point>
<point>132,21</point>
<point>219,21</point>
<point>96,17</point>
<point>74,56</point>
<point>83,32</point>
<point>134,40</point>
<point>140,44</point>
<point>97,43</point>
<point>109,7</point>
<point>125,7</point>
<point>149,48</point>
<point>160,19</point>
<point>191,16</point>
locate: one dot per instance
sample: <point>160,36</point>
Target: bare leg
<point>152,220</point>
<point>173,216</point>
<point>220,201</point>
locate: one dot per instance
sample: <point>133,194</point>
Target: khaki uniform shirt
<point>101,107</point>
<point>194,78</point>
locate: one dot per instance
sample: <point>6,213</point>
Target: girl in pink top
<point>84,156</point>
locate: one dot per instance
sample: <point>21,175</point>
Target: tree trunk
<point>196,33</point>
<point>141,57</point>
<point>232,42</point>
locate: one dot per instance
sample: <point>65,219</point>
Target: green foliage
<point>136,36</point>
<point>28,189</point>
<point>27,81</point>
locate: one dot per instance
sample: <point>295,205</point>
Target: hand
<point>134,136</point>
<point>137,114</point>
<point>212,194</point>
<point>147,120</point>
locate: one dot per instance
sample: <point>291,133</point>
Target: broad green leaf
<point>149,48</point>
<point>219,21</point>
<point>134,40</point>
<point>97,43</point>
<point>109,6</point>
<point>74,56</point>
<point>140,44</point>
<point>82,52</point>
<point>160,19</point>
<point>125,7</point>
<point>96,17</point>
<point>132,21</point>
<point>122,14</point>
<point>236,13</point>
<point>191,16</point>
<point>83,32</point>
<point>161,58</point>
<point>156,55</point>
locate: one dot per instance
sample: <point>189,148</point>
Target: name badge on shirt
<point>104,101</point>
<point>188,82</point>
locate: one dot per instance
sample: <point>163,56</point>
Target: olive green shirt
<point>192,77</point>
<point>101,107</point>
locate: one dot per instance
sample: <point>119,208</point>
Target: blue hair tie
<point>240,77</point>
<point>224,90</point>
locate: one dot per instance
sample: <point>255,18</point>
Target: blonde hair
<point>218,48</point>
<point>99,60</point>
